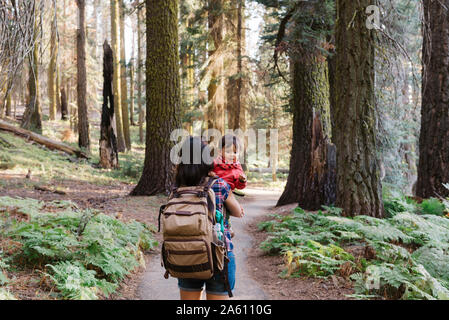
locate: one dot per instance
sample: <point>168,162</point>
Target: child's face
<point>229,154</point>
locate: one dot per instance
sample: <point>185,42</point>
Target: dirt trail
<point>256,203</point>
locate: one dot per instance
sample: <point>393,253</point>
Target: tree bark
<point>9,102</point>
<point>83,118</point>
<point>123,79</point>
<point>235,86</point>
<point>359,191</point>
<point>108,141</point>
<point>64,107</point>
<point>433,169</point>
<point>131,94</point>
<point>52,91</point>
<point>32,117</point>
<point>163,96</point>
<point>216,92</point>
<point>312,169</point>
<point>115,16</point>
<point>139,75</point>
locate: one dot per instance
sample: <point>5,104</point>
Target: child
<point>227,166</point>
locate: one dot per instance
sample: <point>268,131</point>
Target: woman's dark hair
<point>196,162</point>
<point>230,140</point>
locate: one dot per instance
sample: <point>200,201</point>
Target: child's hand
<point>242,178</point>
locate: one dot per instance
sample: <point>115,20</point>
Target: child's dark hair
<point>191,172</point>
<point>230,140</point>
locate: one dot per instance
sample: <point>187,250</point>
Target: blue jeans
<point>215,284</point>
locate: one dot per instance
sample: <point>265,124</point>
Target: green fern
<point>87,252</point>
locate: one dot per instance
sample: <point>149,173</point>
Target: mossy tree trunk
<point>163,96</point>
<point>311,181</point>
<point>83,118</point>
<point>115,28</point>
<point>433,169</point>
<point>359,191</point>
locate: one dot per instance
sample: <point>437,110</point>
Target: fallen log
<point>45,189</point>
<point>50,144</point>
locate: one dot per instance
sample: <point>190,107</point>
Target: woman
<point>192,173</point>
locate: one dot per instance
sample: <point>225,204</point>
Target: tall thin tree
<point>123,79</point>
<point>83,118</point>
<point>32,117</point>
<point>115,36</point>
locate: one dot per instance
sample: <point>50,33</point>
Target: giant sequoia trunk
<point>358,184</point>
<point>433,168</point>
<point>163,96</point>
<point>108,141</point>
<point>311,180</point>
<point>83,119</point>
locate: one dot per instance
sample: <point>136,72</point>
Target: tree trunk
<point>115,16</point>
<point>359,191</point>
<point>139,75</point>
<point>52,91</point>
<point>163,96</point>
<point>216,94</point>
<point>58,88</point>
<point>108,141</point>
<point>312,170</point>
<point>32,117</point>
<point>131,94</point>
<point>8,102</point>
<point>123,79</point>
<point>433,169</point>
<point>235,86</point>
<point>64,107</point>
<point>83,119</point>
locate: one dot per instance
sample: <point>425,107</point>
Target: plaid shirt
<point>222,190</point>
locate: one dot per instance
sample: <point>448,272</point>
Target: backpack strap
<point>209,183</point>
<point>161,209</point>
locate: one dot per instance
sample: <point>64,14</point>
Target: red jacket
<point>230,172</point>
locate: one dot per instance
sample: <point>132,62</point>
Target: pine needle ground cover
<point>80,254</point>
<point>405,256</point>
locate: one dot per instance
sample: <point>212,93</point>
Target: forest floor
<point>90,187</point>
<point>257,273</point>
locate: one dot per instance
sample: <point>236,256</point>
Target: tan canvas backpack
<point>189,249</point>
